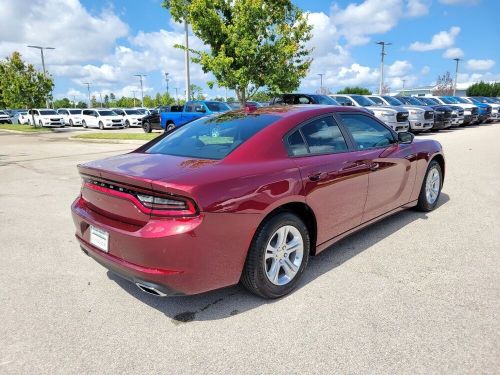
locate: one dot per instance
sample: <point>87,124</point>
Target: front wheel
<point>431,187</point>
<point>147,127</point>
<point>127,123</point>
<point>101,125</point>
<point>277,256</point>
<point>71,123</point>
<point>84,124</point>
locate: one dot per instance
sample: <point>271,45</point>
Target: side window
<point>367,132</point>
<point>303,100</point>
<point>376,100</point>
<point>288,99</point>
<point>341,100</point>
<point>189,107</point>
<point>323,136</point>
<point>296,144</point>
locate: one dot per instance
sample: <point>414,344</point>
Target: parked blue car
<point>192,110</point>
<point>484,109</point>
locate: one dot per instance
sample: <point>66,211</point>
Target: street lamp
<point>404,82</point>
<point>133,93</point>
<point>177,95</point>
<point>88,90</point>
<point>321,82</point>
<point>382,55</point>
<point>43,64</point>
<point>142,90</point>
<point>166,80</point>
<point>456,76</point>
<point>188,83</point>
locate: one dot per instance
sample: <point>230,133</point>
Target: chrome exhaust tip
<point>150,290</point>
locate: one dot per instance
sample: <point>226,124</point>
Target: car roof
<point>296,109</point>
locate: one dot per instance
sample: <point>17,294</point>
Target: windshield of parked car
<point>2,113</point>
<point>362,101</point>
<point>392,100</point>
<point>461,100</point>
<point>212,137</point>
<point>217,106</point>
<point>133,112</point>
<point>412,101</point>
<point>324,99</point>
<point>475,100</point>
<point>48,112</point>
<point>429,101</point>
<point>107,113</point>
<point>448,100</point>
<point>75,111</point>
<point>142,111</point>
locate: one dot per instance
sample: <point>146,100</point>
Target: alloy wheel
<point>432,185</point>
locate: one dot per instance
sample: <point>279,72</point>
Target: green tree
<point>253,43</point>
<point>354,90</point>
<point>62,103</point>
<point>106,100</point>
<point>93,102</point>
<point>81,104</point>
<point>262,96</point>
<point>21,85</point>
<point>484,89</point>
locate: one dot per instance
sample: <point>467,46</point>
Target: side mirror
<point>405,138</point>
<point>348,104</point>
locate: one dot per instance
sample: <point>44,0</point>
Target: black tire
<point>127,123</point>
<point>71,122</point>
<point>254,276</point>
<point>423,202</point>
<point>40,123</point>
<point>170,126</point>
<point>101,125</point>
<point>84,124</point>
<point>147,127</point>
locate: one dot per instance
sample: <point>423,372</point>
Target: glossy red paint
<point>188,254</point>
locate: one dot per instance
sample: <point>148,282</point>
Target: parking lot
<point>414,293</point>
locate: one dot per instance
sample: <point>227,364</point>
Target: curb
<point>124,141</point>
<point>21,132</point>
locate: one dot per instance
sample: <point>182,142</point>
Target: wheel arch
<point>440,159</point>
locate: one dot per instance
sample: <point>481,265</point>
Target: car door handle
<point>318,176</point>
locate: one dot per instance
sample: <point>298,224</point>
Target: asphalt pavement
<point>414,293</point>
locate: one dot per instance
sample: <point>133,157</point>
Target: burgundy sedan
<point>249,196</point>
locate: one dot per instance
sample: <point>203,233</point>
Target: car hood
<point>387,108</point>
<point>111,117</point>
<point>414,107</point>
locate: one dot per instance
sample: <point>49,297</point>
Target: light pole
<point>43,64</point>
<point>100,96</point>
<point>133,93</point>
<point>166,80</point>
<point>456,76</point>
<point>88,90</point>
<point>404,82</point>
<point>74,101</point>
<point>177,95</point>
<point>142,90</point>
<point>382,55</point>
<point>188,83</point>
<point>321,82</point>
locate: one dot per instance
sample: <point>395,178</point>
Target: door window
<point>367,132</point>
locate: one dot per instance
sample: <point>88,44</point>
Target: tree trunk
<point>242,97</point>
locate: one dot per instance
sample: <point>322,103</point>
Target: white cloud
<point>453,53</point>
<point>474,64</point>
<point>441,40</point>
<point>399,68</point>
<point>459,2</point>
<point>417,8</point>
<point>425,70</point>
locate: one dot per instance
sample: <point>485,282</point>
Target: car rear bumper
<point>174,255</point>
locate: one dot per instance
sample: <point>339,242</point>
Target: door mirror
<point>405,138</point>
<point>348,104</point>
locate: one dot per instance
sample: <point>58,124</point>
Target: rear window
<point>212,137</point>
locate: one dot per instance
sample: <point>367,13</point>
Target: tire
<point>84,124</point>
<point>127,123</point>
<point>258,272</point>
<point>170,126</point>
<point>101,125</point>
<point>429,195</point>
<point>40,123</point>
<point>71,123</point>
<point>147,127</point>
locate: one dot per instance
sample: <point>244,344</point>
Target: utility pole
<point>142,90</point>
<point>404,82</point>
<point>321,82</point>
<point>88,89</point>
<point>43,65</point>
<point>382,55</point>
<point>133,93</point>
<point>166,80</point>
<point>100,96</point>
<point>188,81</point>
<point>177,95</point>
<point>74,101</point>
<point>456,76</point>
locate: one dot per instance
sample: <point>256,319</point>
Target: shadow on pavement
<point>230,301</point>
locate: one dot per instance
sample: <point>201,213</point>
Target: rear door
<point>392,167</point>
<point>335,183</point>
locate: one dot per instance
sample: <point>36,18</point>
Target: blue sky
<point>107,42</point>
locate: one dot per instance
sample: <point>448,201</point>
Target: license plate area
<point>99,238</point>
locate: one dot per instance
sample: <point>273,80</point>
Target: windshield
<point>412,101</point>
<point>75,111</point>
<point>217,106</point>
<point>475,100</point>
<point>429,101</point>
<point>48,112</point>
<point>461,100</point>
<point>362,101</point>
<point>324,99</point>
<point>212,137</point>
<point>392,100</point>
<point>448,100</point>
<point>133,112</point>
<point>107,113</point>
<point>141,111</point>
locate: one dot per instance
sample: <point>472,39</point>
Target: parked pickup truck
<point>192,110</point>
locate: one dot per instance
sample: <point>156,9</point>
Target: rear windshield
<point>217,106</point>
<point>212,137</point>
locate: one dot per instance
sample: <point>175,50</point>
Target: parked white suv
<point>421,118</point>
<point>45,117</point>
<point>101,118</point>
<point>72,116</point>
<point>132,117</point>
<point>395,118</point>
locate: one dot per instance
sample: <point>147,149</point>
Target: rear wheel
<point>277,257</point>
<point>431,187</point>
<point>170,126</point>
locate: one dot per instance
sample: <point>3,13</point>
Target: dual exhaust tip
<point>150,290</point>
